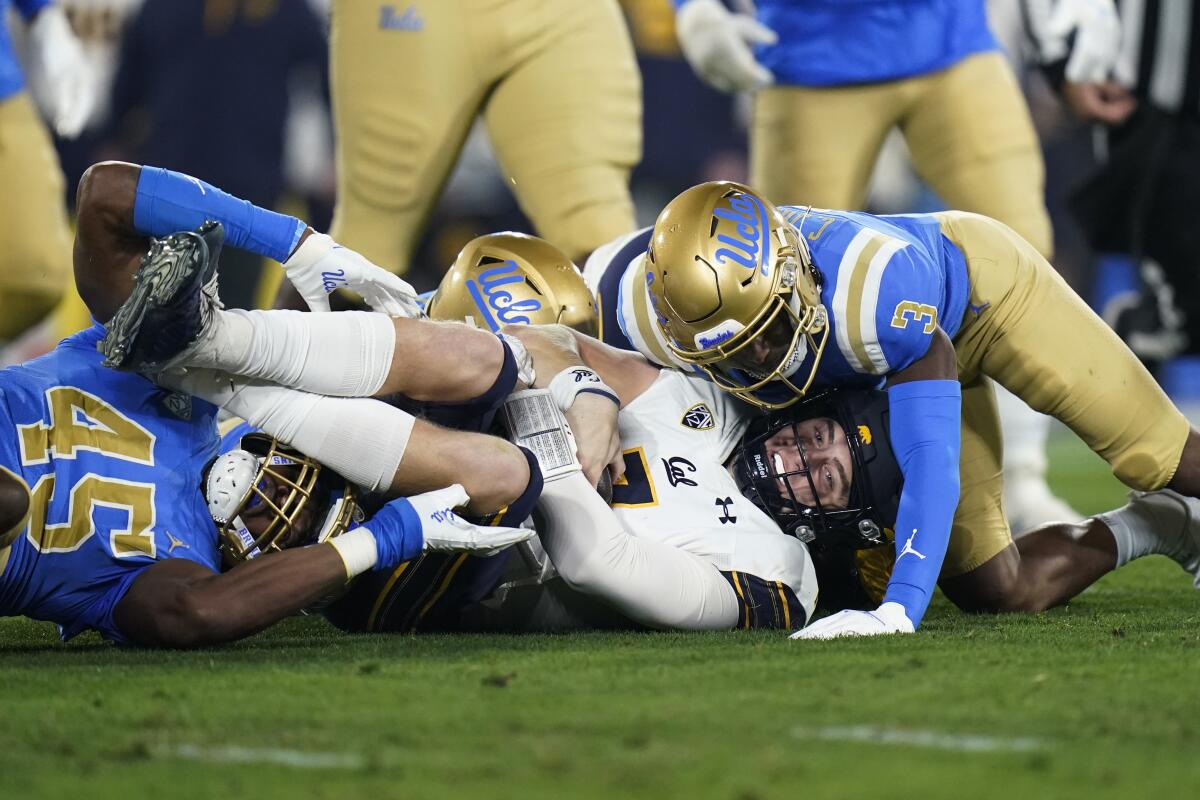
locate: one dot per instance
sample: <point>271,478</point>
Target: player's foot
<point>1176,527</point>
<point>173,299</point>
<point>1028,503</point>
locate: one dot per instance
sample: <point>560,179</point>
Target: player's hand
<point>60,62</point>
<point>445,530</point>
<point>888,618</point>
<point>320,266</point>
<point>719,45</point>
<point>593,420</point>
<point>409,526</point>
<point>1097,31</point>
<point>1105,102</point>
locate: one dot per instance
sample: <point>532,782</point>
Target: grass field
<point>1095,700</point>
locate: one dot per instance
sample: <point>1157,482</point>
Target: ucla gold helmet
<point>513,278</point>
<point>734,289</point>
<point>266,496</point>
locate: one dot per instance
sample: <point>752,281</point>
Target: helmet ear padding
<point>228,485</point>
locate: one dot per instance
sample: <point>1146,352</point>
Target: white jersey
<point>677,437</point>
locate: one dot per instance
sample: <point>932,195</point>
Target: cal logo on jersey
<point>699,418</point>
<point>864,434</point>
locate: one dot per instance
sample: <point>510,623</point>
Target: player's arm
<point>924,401</point>
<point>120,205</point>
<point>177,603</point>
<point>577,369</point>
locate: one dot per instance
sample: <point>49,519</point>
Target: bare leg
<point>1044,568</point>
<point>1186,480</point>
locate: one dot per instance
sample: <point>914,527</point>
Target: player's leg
<point>405,91</point>
<point>984,570</point>
<point>35,254</point>
<point>566,121</point>
<point>972,140</point>
<point>818,146</point>
<point>1038,338</point>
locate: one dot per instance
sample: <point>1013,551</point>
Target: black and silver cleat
<point>174,296</point>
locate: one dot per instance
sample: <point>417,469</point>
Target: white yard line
<point>234,754</point>
<point>963,743</point>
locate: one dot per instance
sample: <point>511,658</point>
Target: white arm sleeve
<point>650,582</point>
<point>363,440</point>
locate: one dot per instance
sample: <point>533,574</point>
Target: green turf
<point>1095,700</point>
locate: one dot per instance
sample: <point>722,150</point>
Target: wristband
<point>358,550</point>
<point>571,381</point>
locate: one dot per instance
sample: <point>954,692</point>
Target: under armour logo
<point>675,467</point>
<point>908,548</point>
<point>724,503</point>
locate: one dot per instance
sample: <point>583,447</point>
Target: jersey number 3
<point>81,421</point>
<point>908,311</point>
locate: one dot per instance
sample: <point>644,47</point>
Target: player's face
<point>767,350</point>
<point>258,513</point>
<point>829,466</point>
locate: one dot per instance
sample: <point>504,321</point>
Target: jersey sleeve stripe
<point>847,297</point>
<point>870,302</point>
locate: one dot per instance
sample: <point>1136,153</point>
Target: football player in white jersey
<point>680,547</point>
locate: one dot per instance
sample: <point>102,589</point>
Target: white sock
<point>344,354</point>
<point>362,440</point>
<point>1151,523</point>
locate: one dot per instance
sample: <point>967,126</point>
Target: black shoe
<point>173,298</point>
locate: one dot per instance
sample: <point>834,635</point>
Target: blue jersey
<point>887,282</point>
<point>113,464</point>
<point>12,80</point>
<point>841,42</point>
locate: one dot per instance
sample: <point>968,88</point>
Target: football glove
<point>888,618</point>
<point>1097,31</point>
<point>437,527</point>
<point>320,266</point>
<point>719,45</point>
<point>60,63</point>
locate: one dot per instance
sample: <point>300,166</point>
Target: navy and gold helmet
<point>824,469</point>
<point>513,278</point>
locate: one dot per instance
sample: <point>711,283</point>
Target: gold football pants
<point>967,128</point>
<point>1027,330</point>
<point>555,81</point>
<point>35,241</point>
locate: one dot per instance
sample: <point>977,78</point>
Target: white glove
<point>1097,32</point>
<point>320,266</point>
<point>60,62</point>
<point>719,45</point>
<point>445,530</point>
<point>888,618</point>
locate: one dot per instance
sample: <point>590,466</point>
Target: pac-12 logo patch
<point>698,418</point>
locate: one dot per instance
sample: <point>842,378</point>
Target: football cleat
<point>172,302</point>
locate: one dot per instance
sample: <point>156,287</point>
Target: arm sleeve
<point>650,582</point>
<point>925,419</point>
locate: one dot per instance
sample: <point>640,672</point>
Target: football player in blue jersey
<point>773,302</point>
<point>106,526</point>
<point>831,80</point>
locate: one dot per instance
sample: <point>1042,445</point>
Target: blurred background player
<point>35,242</point>
<point>1141,199</point>
<point>555,82</point>
<point>832,80</point>
<point>257,51</point>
